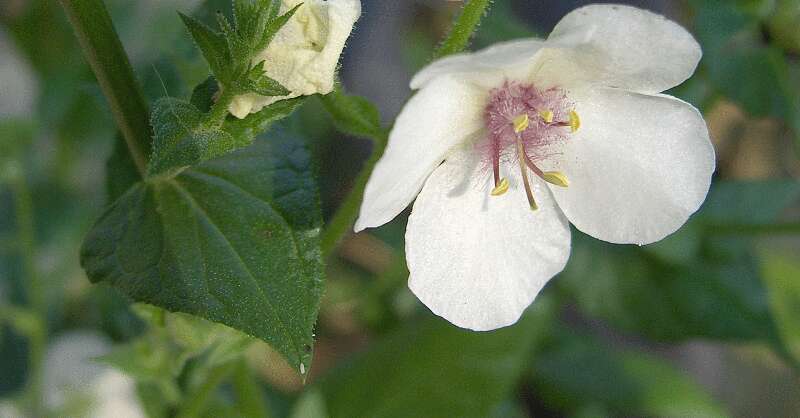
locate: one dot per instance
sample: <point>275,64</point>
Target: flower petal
<point>479,260</point>
<point>639,166</point>
<point>443,114</point>
<point>501,60</point>
<point>622,46</point>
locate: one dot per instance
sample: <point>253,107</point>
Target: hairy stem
<point>104,52</point>
<point>464,26</point>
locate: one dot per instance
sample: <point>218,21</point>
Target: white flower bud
<point>305,52</point>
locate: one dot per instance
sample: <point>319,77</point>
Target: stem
<point>23,207</point>
<point>196,401</point>
<point>464,26</point>
<point>218,112</point>
<point>348,211</point>
<point>105,54</point>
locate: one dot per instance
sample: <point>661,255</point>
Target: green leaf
<point>432,369</point>
<point>234,240</point>
<point>782,277</point>
<point>211,44</point>
<point>353,115</point>
<point>181,139</point>
<point>577,373</point>
<point>258,82</point>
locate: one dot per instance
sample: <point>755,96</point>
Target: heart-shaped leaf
<point>234,240</point>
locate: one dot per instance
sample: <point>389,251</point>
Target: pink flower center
<point>524,124</point>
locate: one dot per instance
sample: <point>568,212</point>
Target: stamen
<point>501,188</point>
<point>556,177</point>
<point>523,157</point>
<point>521,123</point>
<point>574,121</point>
<point>553,177</point>
<point>547,115</point>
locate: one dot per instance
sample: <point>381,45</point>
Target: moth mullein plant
<point>503,148</point>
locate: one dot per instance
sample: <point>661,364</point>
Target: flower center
<point>525,124</point>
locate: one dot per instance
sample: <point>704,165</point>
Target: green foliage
<point>234,240</point>
<point>181,139</point>
<point>580,374</point>
<point>230,53</point>
<point>354,115</point>
<point>740,65</point>
<point>782,277</point>
<point>430,368</point>
<point>668,303</point>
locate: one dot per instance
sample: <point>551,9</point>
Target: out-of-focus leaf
<point>354,115</point>
<point>431,369</point>
<point>234,240</point>
<point>749,203</point>
<point>705,299</point>
<point>740,65</point>
<point>580,375</point>
<point>782,276</point>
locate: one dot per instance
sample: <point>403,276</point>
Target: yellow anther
<point>574,121</point>
<point>501,188</point>
<point>547,115</point>
<point>521,123</point>
<point>534,206</point>
<point>556,177</point>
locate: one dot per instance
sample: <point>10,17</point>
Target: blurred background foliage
<point>704,323</point>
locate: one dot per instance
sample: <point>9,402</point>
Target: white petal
<point>621,46</point>
<point>639,166</point>
<point>445,113</point>
<point>502,60</point>
<point>305,52</point>
<point>479,260</point>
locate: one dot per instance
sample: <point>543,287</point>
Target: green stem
<point>789,228</point>
<point>26,240</point>
<point>464,26</point>
<point>105,54</point>
<point>195,402</point>
<point>348,211</point>
<point>218,112</point>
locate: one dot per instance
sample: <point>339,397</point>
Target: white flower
<point>305,52</point>
<point>572,126</point>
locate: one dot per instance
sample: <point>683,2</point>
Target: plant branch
<point>464,26</point>
<point>104,52</point>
